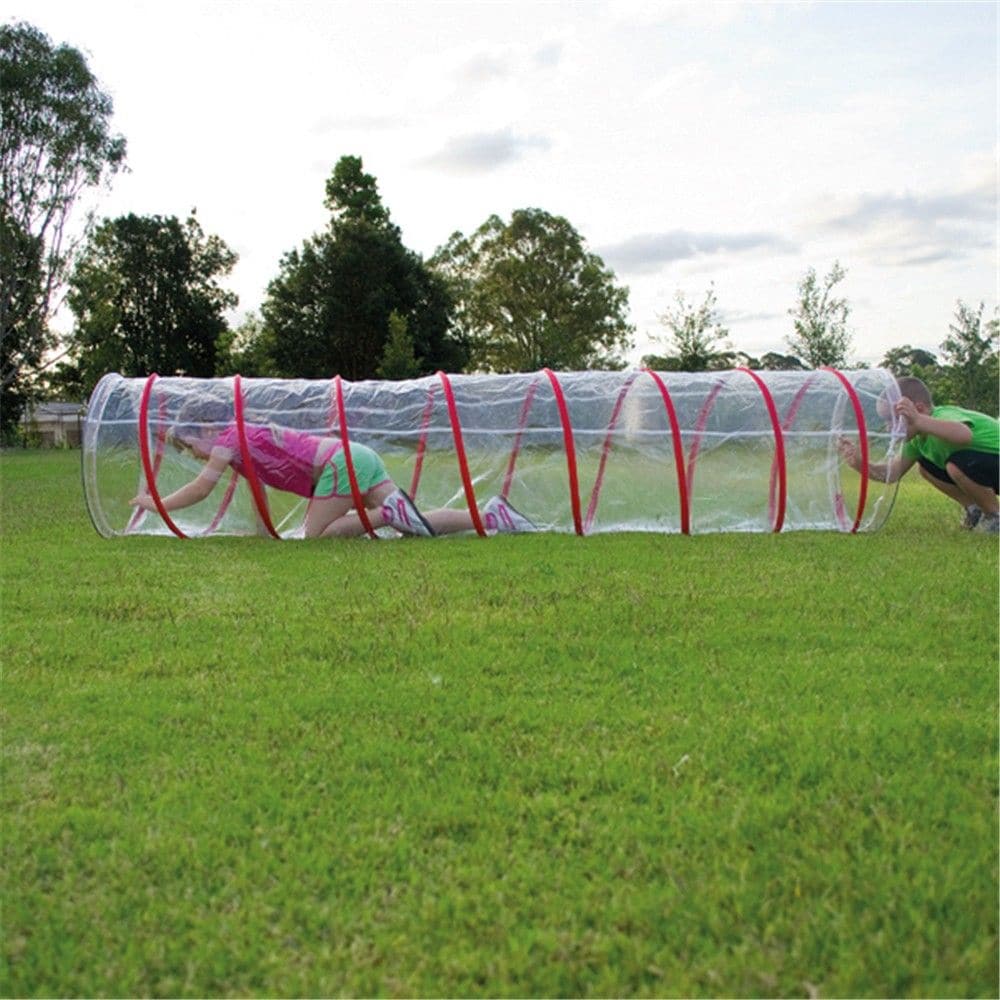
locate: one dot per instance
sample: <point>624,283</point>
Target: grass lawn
<point>622,765</point>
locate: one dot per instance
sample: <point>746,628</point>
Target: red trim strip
<point>859,416</point>
<point>161,440</point>
<point>700,424</point>
<point>463,465</point>
<point>332,419</point>
<point>359,504</point>
<point>574,483</point>
<point>147,465</point>
<point>418,465</point>
<point>599,478</point>
<point>777,518</point>
<point>259,499</point>
<point>227,499</point>
<point>332,429</point>
<point>529,398</point>
<point>675,433</point>
<point>790,414</point>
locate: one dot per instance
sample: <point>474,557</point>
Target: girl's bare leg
<point>345,522</point>
<point>323,513</point>
<point>337,518</point>
<point>446,521</point>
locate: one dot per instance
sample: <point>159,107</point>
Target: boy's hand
<point>848,452</point>
<point>143,500</point>
<point>907,409</point>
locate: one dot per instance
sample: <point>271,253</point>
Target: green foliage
<point>697,339</point>
<point>328,310</point>
<point>907,360</point>
<point>529,766</point>
<point>967,374</point>
<point>146,298</point>
<point>246,349</point>
<point>971,377</point>
<point>775,362</point>
<point>398,360</point>
<point>821,333</point>
<point>529,296</point>
<point>54,143</point>
<point>352,195</point>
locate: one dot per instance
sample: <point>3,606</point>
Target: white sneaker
<point>989,524</point>
<point>972,516</point>
<point>400,512</point>
<point>500,516</point>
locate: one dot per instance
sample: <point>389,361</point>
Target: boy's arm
<point>194,491</point>
<point>952,431</point>
<point>881,472</point>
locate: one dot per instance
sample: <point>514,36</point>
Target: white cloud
<point>648,252</point>
<point>484,152</point>
<point>909,228</point>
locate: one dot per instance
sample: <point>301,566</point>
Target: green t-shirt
<point>985,436</point>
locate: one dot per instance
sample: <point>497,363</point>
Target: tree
<point>697,339</point>
<point>529,296</point>
<point>55,143</point>
<point>772,361</point>
<point>907,360</point>
<point>398,359</point>
<point>328,310</point>
<point>971,359</point>
<point>821,334</point>
<point>245,349</point>
<point>146,298</point>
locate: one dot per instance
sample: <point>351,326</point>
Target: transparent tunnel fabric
<point>582,452</point>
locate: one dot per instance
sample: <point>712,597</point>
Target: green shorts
<point>334,480</point>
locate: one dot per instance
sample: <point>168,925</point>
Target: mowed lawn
<point>627,765</point>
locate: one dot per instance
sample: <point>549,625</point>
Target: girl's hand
<point>143,500</point>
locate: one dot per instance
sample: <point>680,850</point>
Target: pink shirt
<point>283,459</point>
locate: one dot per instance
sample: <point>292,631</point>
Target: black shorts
<point>982,467</point>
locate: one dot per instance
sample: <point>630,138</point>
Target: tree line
<point>146,292</point>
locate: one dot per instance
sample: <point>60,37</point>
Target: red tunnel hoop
<point>227,499</point>
<point>777,516</point>
<point>567,428</point>
<point>699,430</point>
<point>522,423</point>
<point>151,472</point>
<point>571,451</point>
<point>418,465</point>
<point>359,503</point>
<point>259,499</point>
<point>161,439</point>
<point>147,464</point>
<point>678,448</point>
<point>463,464</point>
<point>616,410</point>
<point>675,433</point>
<point>859,417</point>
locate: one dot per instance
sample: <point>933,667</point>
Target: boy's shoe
<point>400,512</point>
<point>989,524</point>
<point>500,516</point>
<point>972,516</point>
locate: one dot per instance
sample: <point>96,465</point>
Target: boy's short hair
<point>915,390</point>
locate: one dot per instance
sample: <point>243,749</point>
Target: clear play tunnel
<point>581,452</point>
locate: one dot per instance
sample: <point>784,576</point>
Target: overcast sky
<point>730,143</point>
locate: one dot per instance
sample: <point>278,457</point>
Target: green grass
<point>622,765</point>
